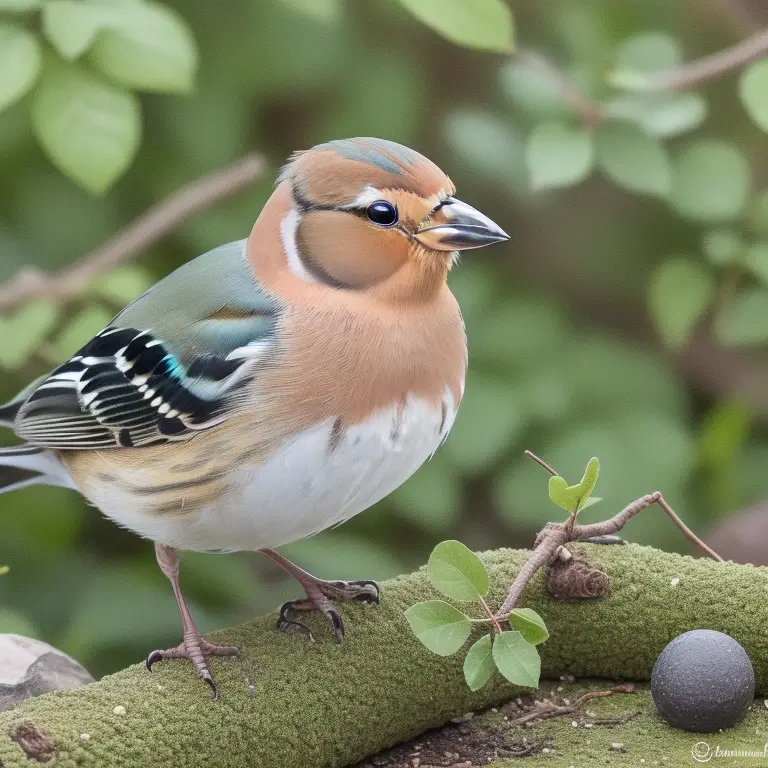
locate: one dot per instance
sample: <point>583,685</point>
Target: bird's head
<point>366,211</point>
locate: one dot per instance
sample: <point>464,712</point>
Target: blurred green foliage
<point>638,223</point>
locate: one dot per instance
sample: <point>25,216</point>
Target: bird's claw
<point>286,621</point>
<point>194,649</point>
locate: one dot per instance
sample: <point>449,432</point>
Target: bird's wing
<point>168,366</point>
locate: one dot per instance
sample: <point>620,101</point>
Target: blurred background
<point>627,317</point>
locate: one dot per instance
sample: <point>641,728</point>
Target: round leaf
<point>722,246</point>
<point>710,181</point>
<point>753,90</point>
<point>660,114</point>
<point>457,571</point>
<point>649,52</point>
<point>72,25</point>
<point>633,159</point>
<point>147,46</point>
<point>25,331</point>
<point>679,292</point>
<point>90,129</point>
<point>484,24</point>
<point>479,666</point>
<point>744,320</point>
<point>517,659</point>
<point>558,155</point>
<point>530,625</point>
<point>19,63</point>
<point>442,628</point>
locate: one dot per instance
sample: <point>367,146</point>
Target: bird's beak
<point>456,226</point>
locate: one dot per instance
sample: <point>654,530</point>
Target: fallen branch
<point>150,227</point>
<point>288,704</point>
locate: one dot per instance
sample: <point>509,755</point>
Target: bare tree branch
<point>701,70</point>
<point>156,223</point>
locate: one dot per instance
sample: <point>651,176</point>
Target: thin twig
<point>687,532</point>
<point>156,223</point>
<point>540,461</point>
<point>708,67</point>
<point>590,113</point>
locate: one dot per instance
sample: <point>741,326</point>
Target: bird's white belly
<point>309,483</point>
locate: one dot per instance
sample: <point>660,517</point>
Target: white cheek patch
<point>288,227</point>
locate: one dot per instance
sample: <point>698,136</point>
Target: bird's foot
<point>320,595</point>
<point>194,648</point>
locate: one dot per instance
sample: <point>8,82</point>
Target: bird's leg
<point>320,594</point>
<point>193,647</point>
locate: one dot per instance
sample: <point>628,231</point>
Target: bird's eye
<point>383,213</point>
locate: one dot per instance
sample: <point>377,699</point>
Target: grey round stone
<point>30,667</point>
<point>703,681</point>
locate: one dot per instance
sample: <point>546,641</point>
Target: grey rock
<point>703,681</point>
<point>30,667</point>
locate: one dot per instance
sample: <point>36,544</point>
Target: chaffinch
<point>275,386</point>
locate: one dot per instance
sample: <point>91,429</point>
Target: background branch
<point>150,227</point>
<point>285,703</point>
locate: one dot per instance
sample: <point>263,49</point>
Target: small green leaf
<point>19,63</point>
<point>517,659</point>
<point>322,10</point>
<point>479,666</point>
<point>18,6</point>
<point>558,155</point>
<point>633,159</point>
<point>744,320</point>
<point>25,331</point>
<point>3,570</point>
<point>532,90</point>
<point>710,181</point>
<point>457,571</point>
<point>147,46</point>
<point>659,114</point>
<point>483,24</point>
<point>649,52</point>
<point>72,25</point>
<point>123,284</point>
<point>89,128</point>
<point>680,291</point>
<point>573,498</point>
<point>722,246</point>
<point>442,628</point>
<point>530,625</point>
<point>753,90</point>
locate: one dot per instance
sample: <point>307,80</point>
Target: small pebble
<point>703,681</point>
<point>85,737</point>
<point>119,710</point>
<point>617,746</point>
<point>574,724</point>
<point>675,582</point>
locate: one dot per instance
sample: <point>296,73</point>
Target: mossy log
<point>285,703</point>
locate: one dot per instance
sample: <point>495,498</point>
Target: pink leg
<point>193,647</point>
<point>320,594</point>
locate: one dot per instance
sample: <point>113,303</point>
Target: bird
<point>275,386</point>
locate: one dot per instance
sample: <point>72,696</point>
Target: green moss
<point>325,705</point>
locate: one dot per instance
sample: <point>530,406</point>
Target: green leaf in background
<point>490,419</point>
<point>517,659</point>
<point>90,129</point>
<point>123,284</point>
<point>757,214</point>
<point>679,292</point>
<point>3,570</point>
<point>323,10</point>
<point>479,664</point>
<point>24,332</point>
<point>641,56</point>
<point>18,6</point>
<point>756,260</point>
<point>753,90</point>
<point>710,181</point>
<point>558,155</point>
<point>574,498</point>
<point>457,572</point>
<point>722,246</point>
<point>532,91</point>
<point>147,46</point>
<point>72,25</point>
<point>659,114</point>
<point>530,625</point>
<point>442,628</point>
<point>483,24</point>
<point>723,433</point>
<point>80,330</point>
<point>633,159</point>
<point>19,63</point>
<point>13,623</point>
<point>744,320</point>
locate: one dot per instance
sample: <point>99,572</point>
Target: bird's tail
<point>25,465</point>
